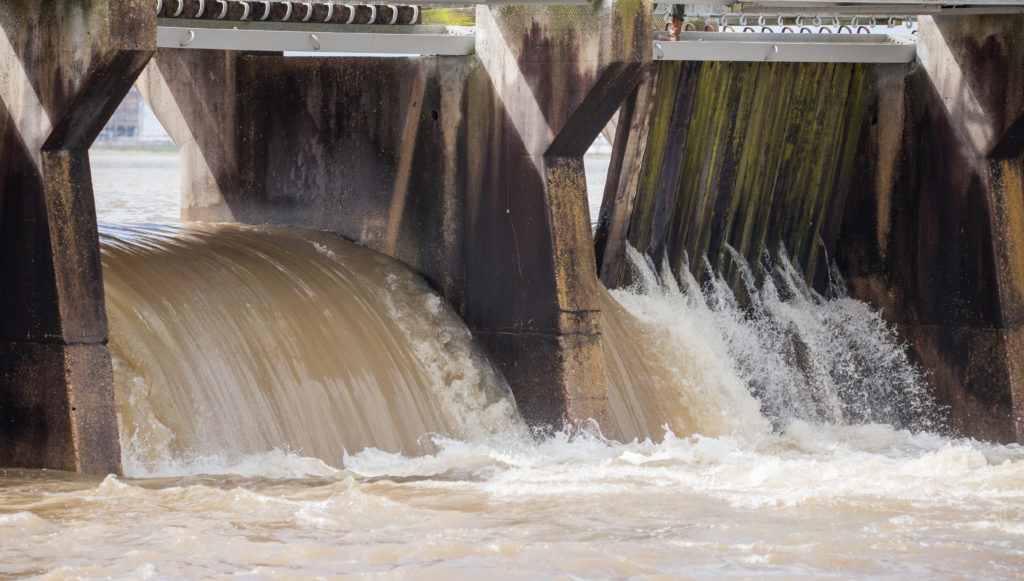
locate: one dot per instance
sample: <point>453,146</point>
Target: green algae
<point>769,151</point>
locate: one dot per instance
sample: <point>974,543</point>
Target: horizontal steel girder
<point>692,46</point>
<point>786,48</point>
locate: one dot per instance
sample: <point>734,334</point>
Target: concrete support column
<point>623,180</point>
<point>64,68</point>
<point>976,66</point>
<point>937,238</point>
<point>1005,181</point>
<point>558,75</point>
<point>194,95</point>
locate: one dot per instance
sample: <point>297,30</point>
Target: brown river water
<point>292,406</point>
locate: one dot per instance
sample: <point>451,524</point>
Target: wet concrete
<point>933,233</point>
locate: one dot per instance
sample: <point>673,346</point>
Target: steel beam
<point>325,42</point>
<point>786,48</point>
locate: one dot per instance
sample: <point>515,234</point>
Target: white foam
<point>23,522</point>
<point>272,464</point>
<point>847,464</point>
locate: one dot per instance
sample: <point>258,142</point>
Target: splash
<point>783,354</point>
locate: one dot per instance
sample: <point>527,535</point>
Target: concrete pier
<point>64,68</point>
<point>932,234</point>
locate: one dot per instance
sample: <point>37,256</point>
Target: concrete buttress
<point>933,235</point>
<point>559,73</point>
<point>64,68</point>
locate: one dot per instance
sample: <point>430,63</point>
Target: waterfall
<point>233,340</point>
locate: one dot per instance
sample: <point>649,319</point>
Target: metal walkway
<point>276,26</point>
<point>363,40</point>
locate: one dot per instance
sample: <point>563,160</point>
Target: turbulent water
<point>785,354</point>
<point>295,407</point>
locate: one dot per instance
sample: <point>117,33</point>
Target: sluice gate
<point>469,169</point>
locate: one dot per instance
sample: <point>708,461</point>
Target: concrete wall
<point>64,68</point>
<point>932,235</point>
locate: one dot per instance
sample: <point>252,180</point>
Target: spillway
<point>232,340</point>
<point>229,341</point>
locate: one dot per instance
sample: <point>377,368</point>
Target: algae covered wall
<point>750,155</point>
<point>908,177</point>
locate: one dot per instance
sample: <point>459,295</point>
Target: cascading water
<point>703,355</point>
<point>233,340</point>
<point>811,358</point>
<point>667,369</point>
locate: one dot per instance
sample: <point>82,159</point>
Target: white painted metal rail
<point>411,40</point>
<point>878,7</point>
<point>786,48</point>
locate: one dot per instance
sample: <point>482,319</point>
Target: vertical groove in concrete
<point>748,155</point>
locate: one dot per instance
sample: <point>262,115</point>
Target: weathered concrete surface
<point>933,234</point>
<point>623,179</point>
<point>559,73</point>
<point>197,103</point>
<point>64,68</point>
<point>750,155</point>
<point>469,169</point>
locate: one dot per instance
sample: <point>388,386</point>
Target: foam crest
<point>848,466</point>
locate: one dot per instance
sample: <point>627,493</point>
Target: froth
<point>573,505</point>
<point>696,356</point>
